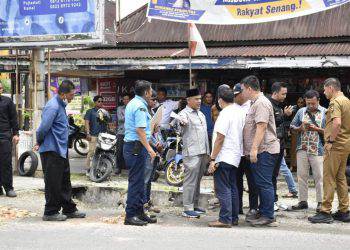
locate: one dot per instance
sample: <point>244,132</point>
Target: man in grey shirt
<point>195,152</point>
<point>262,146</point>
<point>121,132</point>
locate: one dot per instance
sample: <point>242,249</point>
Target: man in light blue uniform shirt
<point>52,143</point>
<point>136,149</point>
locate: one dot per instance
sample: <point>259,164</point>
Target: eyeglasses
<point>100,101</point>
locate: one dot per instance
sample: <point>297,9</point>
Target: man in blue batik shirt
<point>52,143</point>
<point>310,122</point>
<point>136,149</point>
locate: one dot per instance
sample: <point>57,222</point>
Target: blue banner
<point>175,10</point>
<point>329,3</point>
<point>225,12</point>
<point>243,2</point>
<point>20,18</point>
<point>30,7</point>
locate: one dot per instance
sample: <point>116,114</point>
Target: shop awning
<point>290,50</point>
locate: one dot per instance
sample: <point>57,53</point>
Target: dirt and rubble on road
<point>28,207</point>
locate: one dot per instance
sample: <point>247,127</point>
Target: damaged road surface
<point>21,227</point>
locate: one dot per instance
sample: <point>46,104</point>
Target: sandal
<point>291,195</point>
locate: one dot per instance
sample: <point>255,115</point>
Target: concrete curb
<point>116,196</point>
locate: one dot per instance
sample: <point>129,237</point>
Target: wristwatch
<point>211,159</point>
<point>330,142</point>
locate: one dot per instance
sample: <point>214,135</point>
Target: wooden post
<point>17,110</point>
<point>119,17</point>
<point>189,55</point>
<point>49,75</point>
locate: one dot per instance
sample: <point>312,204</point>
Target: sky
<point>128,6</point>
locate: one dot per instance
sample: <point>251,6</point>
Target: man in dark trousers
<point>279,93</point>
<point>52,142</point>
<point>8,135</point>
<point>137,151</point>
<point>244,165</point>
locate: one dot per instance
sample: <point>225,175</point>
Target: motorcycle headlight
<point>107,141</point>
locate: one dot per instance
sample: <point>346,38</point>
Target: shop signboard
<point>111,89</point>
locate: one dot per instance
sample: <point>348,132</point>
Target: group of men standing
<point>246,139</point>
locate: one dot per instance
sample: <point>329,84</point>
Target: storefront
<point>157,51</point>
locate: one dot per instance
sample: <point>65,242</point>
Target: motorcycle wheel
<point>81,146</point>
<point>175,173</point>
<point>27,163</point>
<point>102,169</point>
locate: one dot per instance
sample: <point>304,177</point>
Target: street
<point>96,235</point>
<point>172,95</point>
<point>77,162</point>
<point>103,228</point>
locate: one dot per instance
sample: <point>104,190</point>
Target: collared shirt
<point>309,141</point>
<point>230,123</point>
<point>168,107</point>
<point>339,107</point>
<point>206,110</point>
<point>8,118</point>
<point>137,116</point>
<point>194,133</point>
<point>95,126</point>
<point>245,107</point>
<point>261,111</point>
<point>52,134</point>
<point>121,120</point>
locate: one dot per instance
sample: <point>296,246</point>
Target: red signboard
<point>107,89</point>
<point>111,89</point>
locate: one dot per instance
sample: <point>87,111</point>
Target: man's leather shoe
<point>339,216</point>
<point>219,224</point>
<point>262,221</point>
<point>54,217</point>
<point>235,222</point>
<point>151,208</point>
<point>75,215</point>
<point>300,206</point>
<point>135,221</point>
<point>321,217</point>
<point>11,193</point>
<point>147,219</point>
<point>253,214</point>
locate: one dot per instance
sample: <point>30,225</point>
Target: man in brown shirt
<point>337,149</point>
<point>262,146</point>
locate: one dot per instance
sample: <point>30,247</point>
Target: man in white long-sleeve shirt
<point>168,107</point>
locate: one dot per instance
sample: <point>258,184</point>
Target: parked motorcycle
<point>77,139</point>
<point>170,160</point>
<point>104,160</point>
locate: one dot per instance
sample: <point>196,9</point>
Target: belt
<point>130,142</point>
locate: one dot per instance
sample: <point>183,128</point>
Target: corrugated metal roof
<point>331,23</point>
<point>327,49</point>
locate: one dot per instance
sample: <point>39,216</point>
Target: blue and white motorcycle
<point>170,160</point>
